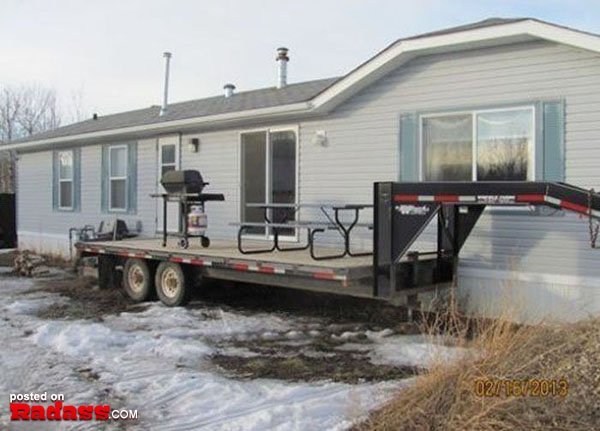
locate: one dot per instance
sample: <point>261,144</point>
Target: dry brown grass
<point>445,398</point>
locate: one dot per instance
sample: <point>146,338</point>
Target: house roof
<point>489,22</point>
<point>313,97</point>
<point>242,101</point>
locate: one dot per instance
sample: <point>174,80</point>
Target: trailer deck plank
<point>228,250</point>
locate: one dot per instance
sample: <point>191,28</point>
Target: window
<point>65,180</point>
<point>485,145</point>
<point>268,176</point>
<point>117,178</point>
<point>168,158</point>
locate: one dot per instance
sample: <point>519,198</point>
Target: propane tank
<point>197,221</point>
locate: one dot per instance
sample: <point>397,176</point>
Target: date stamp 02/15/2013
<point>521,388</point>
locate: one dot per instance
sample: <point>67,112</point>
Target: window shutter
<point>409,155</point>
<point>104,180</point>
<point>77,179</point>
<point>132,178</point>
<point>54,180</point>
<point>554,141</point>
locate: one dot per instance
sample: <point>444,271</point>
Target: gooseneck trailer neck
<point>402,211</point>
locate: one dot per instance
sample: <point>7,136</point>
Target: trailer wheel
<point>137,280</point>
<point>171,284</point>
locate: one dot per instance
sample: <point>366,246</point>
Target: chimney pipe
<point>282,60</point>
<point>163,109</point>
<point>229,89</point>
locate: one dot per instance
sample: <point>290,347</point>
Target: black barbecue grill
<point>183,182</point>
<point>186,188</point>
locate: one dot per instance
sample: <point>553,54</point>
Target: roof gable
<point>491,32</point>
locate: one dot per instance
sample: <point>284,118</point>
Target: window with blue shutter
<point>66,180</point>
<point>511,143</point>
<point>553,141</point>
<point>119,178</point>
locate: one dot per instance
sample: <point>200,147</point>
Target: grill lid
<point>185,181</point>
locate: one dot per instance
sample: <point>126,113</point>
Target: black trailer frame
<point>397,273</point>
<point>402,211</point>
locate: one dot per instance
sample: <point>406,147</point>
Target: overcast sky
<point>111,50</point>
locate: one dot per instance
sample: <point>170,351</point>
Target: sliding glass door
<point>268,173</point>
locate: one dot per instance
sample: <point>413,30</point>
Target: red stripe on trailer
<point>574,207</point>
<point>324,275</point>
<point>446,198</point>
<point>240,266</point>
<point>123,253</point>
<point>406,198</point>
<point>530,198</point>
<point>266,269</point>
<point>198,262</point>
<point>176,259</point>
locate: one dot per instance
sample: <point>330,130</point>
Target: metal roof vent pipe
<point>163,109</point>
<point>228,89</point>
<point>282,61</point>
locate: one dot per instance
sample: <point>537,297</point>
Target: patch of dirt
<point>338,352</point>
<point>348,367</point>
<point>86,300</point>
<point>88,374</point>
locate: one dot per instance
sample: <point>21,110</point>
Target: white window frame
<point>111,178</point>
<point>175,164</point>
<point>268,131</point>
<point>66,180</point>
<point>474,112</point>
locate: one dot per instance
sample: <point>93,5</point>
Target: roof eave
<point>164,127</point>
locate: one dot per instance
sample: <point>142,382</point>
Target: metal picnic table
<point>284,221</point>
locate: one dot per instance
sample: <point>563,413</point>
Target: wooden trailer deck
<point>222,260</point>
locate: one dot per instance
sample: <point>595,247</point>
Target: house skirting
<point>528,297</point>
<point>45,243</point>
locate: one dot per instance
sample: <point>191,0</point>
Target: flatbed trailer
<point>222,260</point>
<point>395,273</point>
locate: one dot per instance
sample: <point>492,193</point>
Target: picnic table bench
<point>313,227</point>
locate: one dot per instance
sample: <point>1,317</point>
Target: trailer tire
<point>138,282</point>
<point>170,284</point>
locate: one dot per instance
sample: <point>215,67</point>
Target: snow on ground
<point>156,361</point>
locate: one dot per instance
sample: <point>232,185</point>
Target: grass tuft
<point>445,397</point>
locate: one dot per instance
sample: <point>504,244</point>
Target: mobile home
<point>501,99</point>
